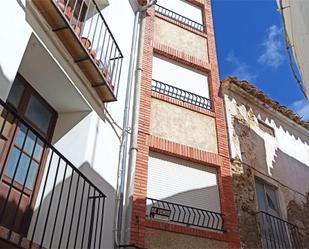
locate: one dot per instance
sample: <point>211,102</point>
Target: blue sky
<point>250,45</point>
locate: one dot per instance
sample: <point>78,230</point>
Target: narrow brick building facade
<point>183,196</point>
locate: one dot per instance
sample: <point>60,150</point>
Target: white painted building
<point>295,20</point>
<point>39,56</point>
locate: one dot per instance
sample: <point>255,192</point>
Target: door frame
<point>10,144</point>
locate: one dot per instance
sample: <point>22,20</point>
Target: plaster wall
<point>14,36</point>
<point>297,26</point>
<point>156,239</point>
<point>174,123</point>
<point>84,138</point>
<point>275,156</point>
<point>180,39</point>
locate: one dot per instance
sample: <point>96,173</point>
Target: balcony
<point>182,95</point>
<point>278,233</point>
<point>81,28</point>
<point>184,215</point>
<point>179,18</point>
<point>46,202</point>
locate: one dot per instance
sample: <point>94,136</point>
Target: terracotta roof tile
<point>252,90</point>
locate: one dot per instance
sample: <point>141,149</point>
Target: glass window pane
<point>12,162</point>
<point>272,201</point>
<point>16,93</point>
<point>31,175</point>
<point>20,136</point>
<point>22,168</point>
<point>260,196</point>
<point>38,149</point>
<point>38,114</point>
<point>30,141</point>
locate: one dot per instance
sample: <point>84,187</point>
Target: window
<point>183,8</point>
<point>183,192</point>
<point>267,198</point>
<point>180,76</point>
<point>266,128</point>
<point>183,182</point>
<point>274,230</point>
<point>26,149</point>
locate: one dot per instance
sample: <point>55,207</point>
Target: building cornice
<point>246,90</point>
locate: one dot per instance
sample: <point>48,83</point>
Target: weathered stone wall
<point>298,214</point>
<point>157,239</point>
<point>244,190</point>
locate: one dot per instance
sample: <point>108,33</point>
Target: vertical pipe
<point>124,144</point>
<point>135,116</point>
<point>121,226</point>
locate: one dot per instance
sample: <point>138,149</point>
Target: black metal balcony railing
<point>86,19</point>
<point>180,94</point>
<point>179,18</point>
<point>278,233</point>
<point>190,216</point>
<point>84,32</point>
<point>44,199</point>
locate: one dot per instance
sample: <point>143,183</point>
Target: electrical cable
<point>288,49</point>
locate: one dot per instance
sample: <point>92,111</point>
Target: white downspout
<point>124,140</point>
<point>118,224</point>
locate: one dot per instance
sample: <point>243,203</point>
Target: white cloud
<point>241,69</point>
<point>273,48</point>
<point>302,108</point>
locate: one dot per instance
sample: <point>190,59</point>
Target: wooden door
<point>23,156</point>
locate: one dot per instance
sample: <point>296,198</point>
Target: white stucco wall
<point>81,135</point>
<point>295,14</point>
<point>14,36</point>
<point>98,145</point>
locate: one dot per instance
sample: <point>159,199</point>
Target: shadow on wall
<point>296,174</point>
<point>290,172</point>
<point>298,213</point>
<point>5,85</point>
<point>70,215</point>
<point>204,198</point>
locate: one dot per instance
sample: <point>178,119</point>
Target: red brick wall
<point>146,142</point>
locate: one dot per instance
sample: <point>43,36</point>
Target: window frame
<point>271,187</point>
<point>261,122</point>
<point>23,104</point>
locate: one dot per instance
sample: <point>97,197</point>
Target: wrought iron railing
<point>180,94</point>
<point>44,199</point>
<point>278,233</point>
<point>88,23</point>
<point>179,18</point>
<point>182,214</point>
<point>130,246</point>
